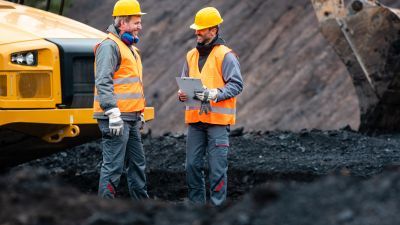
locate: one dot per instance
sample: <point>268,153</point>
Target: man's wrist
<point>113,113</point>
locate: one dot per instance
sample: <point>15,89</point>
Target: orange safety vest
<point>223,112</point>
<point>128,85</point>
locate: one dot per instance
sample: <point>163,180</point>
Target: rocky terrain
<point>309,177</point>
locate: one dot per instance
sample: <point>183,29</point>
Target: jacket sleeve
<point>185,70</point>
<point>232,78</point>
<point>107,62</point>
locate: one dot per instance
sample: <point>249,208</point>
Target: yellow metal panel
<point>55,116</point>
<point>47,116</point>
<point>48,63</point>
<point>149,113</point>
<point>47,55</point>
<point>14,35</point>
<point>34,85</point>
<point>3,85</point>
<point>27,23</point>
<point>25,104</point>
<point>17,99</point>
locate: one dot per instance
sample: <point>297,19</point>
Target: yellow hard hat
<point>127,8</point>
<point>205,18</point>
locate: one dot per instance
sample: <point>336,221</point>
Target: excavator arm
<point>366,36</point>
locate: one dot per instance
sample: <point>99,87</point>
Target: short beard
<point>205,41</point>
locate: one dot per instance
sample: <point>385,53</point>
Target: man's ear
<point>214,30</point>
<point>122,23</point>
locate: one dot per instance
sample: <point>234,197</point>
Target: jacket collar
<point>114,30</point>
<point>205,50</point>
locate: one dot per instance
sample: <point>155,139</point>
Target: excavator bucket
<point>366,36</point>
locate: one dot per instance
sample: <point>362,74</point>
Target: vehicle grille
<point>83,85</point>
<point>33,85</point>
<point>3,85</point>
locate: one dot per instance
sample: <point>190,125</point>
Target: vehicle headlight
<point>24,58</point>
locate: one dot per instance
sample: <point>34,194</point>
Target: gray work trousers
<point>119,153</point>
<point>213,139</point>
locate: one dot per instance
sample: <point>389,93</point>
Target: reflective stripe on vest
<point>223,112</point>
<point>215,109</point>
<point>127,80</point>
<point>124,96</point>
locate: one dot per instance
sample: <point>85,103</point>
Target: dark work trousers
<point>119,153</point>
<point>213,139</point>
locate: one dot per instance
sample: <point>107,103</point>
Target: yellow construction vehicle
<point>46,83</point>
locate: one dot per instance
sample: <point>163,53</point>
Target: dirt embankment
<point>293,79</point>
<point>310,177</point>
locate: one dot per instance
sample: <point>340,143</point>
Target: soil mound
<point>34,197</point>
<point>254,158</point>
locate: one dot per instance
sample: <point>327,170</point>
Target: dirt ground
<point>309,177</point>
<point>275,177</point>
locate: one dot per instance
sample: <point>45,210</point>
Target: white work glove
<point>115,123</point>
<point>212,95</point>
<point>142,121</point>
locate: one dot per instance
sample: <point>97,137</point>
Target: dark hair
<point>216,27</point>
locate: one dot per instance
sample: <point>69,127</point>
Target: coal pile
<point>254,158</point>
<point>308,177</point>
<point>35,197</point>
<point>331,200</point>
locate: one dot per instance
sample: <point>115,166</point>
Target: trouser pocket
<point>222,142</point>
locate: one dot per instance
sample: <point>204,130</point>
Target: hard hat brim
<point>197,27</point>
<point>135,14</point>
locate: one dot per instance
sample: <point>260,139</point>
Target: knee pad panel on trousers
<point>194,164</point>
<point>222,142</point>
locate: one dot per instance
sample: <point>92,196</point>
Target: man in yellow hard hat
<point>119,102</point>
<point>209,125</point>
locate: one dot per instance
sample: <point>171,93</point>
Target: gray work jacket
<point>108,60</point>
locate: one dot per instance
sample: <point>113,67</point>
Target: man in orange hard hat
<point>209,125</point>
<point>119,102</point>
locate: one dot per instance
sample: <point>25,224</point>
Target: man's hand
<point>142,121</point>
<point>204,96</point>
<point>182,96</point>
<point>115,123</point>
